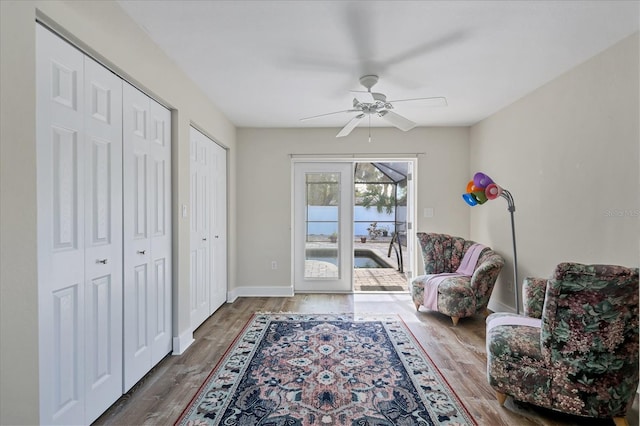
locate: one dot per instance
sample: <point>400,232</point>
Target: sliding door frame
<point>409,269</point>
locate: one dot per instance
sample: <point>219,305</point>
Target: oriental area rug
<point>325,369</point>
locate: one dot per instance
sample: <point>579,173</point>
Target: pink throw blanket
<point>466,268</point>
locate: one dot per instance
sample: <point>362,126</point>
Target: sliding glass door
<point>323,227</point>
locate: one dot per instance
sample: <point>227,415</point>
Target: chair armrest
<point>486,273</point>
<point>533,290</point>
<point>484,278</point>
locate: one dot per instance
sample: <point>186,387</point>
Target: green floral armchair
<point>576,348</point>
<point>457,297</point>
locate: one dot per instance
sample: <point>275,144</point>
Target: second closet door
<point>147,233</point>
<point>200,245</point>
<point>208,227</point>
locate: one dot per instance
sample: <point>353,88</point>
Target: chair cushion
<point>455,295</point>
<point>514,360</point>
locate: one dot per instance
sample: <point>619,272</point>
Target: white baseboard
<point>182,342</point>
<point>497,306</point>
<point>284,291</point>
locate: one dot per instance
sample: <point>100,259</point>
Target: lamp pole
<point>512,208</point>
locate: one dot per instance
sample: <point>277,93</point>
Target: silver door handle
<point>142,251</point>
<point>103,261</point>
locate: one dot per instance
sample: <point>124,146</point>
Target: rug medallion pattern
<point>330,369</point>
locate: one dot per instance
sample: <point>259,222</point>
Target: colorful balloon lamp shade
<point>470,199</point>
<point>482,189</point>
<point>481,180</point>
<point>493,191</point>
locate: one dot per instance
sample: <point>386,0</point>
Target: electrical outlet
<point>274,265</point>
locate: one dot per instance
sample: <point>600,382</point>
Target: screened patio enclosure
<point>380,197</point>
<point>381,187</point>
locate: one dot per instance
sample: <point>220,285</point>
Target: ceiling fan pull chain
<point>369,128</point>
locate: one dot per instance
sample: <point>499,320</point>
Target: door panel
<point>60,194</point>
<point>200,151</point>
<point>137,247</point>
<point>103,238</point>
<point>147,234</point>
<point>323,205</point>
<point>218,293</point>
<point>139,180</point>
<point>68,389</point>
<point>160,238</point>
<point>208,227</point>
<point>66,189</point>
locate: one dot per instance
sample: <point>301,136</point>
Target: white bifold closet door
<point>104,233</point>
<point>208,258</point>
<point>219,227</point>
<point>79,149</point>
<point>147,233</point>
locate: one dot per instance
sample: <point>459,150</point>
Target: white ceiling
<point>270,63</point>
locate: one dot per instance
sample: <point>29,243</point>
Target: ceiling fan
<point>368,103</point>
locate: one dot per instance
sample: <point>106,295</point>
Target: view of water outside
<point>322,220</point>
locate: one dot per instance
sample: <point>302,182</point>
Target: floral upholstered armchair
<point>576,350</point>
<point>457,296</point>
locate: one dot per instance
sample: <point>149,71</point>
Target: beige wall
<point>18,292</point>
<point>569,154</point>
<point>264,186</point>
<point>105,31</point>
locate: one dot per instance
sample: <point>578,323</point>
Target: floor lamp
<point>481,189</point>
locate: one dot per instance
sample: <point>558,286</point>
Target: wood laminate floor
<point>459,352</point>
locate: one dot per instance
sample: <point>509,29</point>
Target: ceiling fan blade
<point>350,126</point>
<point>330,113</point>
<point>398,121</point>
<point>363,96</point>
<point>437,101</point>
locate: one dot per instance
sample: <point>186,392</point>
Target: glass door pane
<point>322,253</point>
<point>323,228</point>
